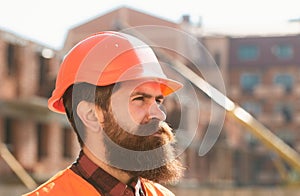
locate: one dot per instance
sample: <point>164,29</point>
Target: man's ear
<point>88,115</point>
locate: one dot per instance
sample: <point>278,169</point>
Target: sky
<point>48,22</point>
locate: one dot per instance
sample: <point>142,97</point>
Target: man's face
<point>137,103</point>
<point>137,141</point>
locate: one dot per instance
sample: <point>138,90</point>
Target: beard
<point>151,157</point>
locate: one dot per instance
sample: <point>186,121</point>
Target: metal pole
<point>17,167</point>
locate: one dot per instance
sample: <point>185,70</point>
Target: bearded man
<point>111,87</point>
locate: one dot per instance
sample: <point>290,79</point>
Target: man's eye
<point>138,99</point>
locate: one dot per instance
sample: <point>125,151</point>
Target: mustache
<point>147,129</point>
<point>154,126</point>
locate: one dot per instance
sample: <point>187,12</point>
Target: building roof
<point>117,19</point>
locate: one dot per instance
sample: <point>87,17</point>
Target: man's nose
<point>156,111</point>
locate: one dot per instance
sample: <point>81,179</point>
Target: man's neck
<point>119,174</point>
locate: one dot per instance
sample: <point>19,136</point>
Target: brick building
<point>32,133</point>
<point>263,77</point>
<point>253,68</point>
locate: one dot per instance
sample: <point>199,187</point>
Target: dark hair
<point>100,95</point>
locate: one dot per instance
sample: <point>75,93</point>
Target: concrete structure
<point>253,68</point>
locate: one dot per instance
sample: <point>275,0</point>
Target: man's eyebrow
<point>146,95</point>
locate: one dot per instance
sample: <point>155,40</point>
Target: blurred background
<point>256,46</point>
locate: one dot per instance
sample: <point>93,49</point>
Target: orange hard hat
<point>106,58</point>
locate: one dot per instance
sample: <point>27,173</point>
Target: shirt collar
<point>102,181</point>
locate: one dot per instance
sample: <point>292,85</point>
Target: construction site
<point>242,127</point>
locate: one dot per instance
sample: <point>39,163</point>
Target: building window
<point>217,58</point>
<point>43,79</point>
<point>283,51</point>
<point>11,59</point>
<point>254,108</point>
<point>249,81</point>
<point>248,52</point>
<point>8,133</point>
<point>285,110</point>
<point>287,136</point>
<point>42,144</point>
<point>44,58</point>
<point>44,64</point>
<point>285,80</point>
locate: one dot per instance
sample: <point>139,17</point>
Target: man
<point>111,87</point>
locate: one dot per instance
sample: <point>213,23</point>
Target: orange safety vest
<point>67,183</point>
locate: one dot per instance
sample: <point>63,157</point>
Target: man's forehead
<point>141,86</point>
